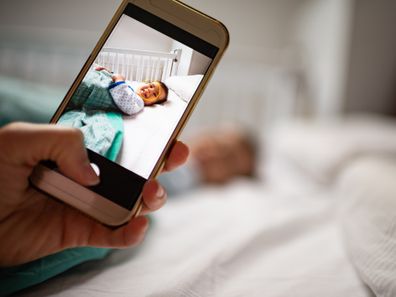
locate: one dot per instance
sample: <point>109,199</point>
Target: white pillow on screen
<point>184,86</point>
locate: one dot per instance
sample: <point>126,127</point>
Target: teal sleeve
<point>20,277</point>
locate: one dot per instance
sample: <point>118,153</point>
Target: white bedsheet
<point>244,240</point>
<point>281,238</point>
<point>147,133</point>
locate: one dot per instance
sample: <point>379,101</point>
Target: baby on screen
<point>102,90</point>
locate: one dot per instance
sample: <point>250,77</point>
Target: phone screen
<point>133,97</point>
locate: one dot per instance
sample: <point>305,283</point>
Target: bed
<point>147,133</point>
<point>239,241</point>
<point>287,235</point>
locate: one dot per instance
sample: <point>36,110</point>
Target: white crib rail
<point>138,65</point>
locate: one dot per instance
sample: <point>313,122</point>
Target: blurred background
<point>287,59</point>
<point>314,84</point>
<point>318,58</point>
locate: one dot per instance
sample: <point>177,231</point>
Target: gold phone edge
<point>193,103</point>
<point>90,60</point>
<point>197,95</point>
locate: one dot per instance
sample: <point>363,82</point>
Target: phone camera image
<point>133,96</point>
<point>131,100</point>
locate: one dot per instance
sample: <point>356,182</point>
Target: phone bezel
<point>182,16</point>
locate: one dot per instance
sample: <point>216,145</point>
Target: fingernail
<point>160,192</point>
<point>90,175</point>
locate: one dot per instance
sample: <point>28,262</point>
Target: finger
<point>177,156</point>
<point>154,197</point>
<point>49,142</point>
<point>126,236</point>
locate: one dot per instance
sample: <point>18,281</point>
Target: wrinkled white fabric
<point>368,198</point>
<point>244,240</point>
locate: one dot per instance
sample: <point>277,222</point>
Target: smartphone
<point>131,100</point>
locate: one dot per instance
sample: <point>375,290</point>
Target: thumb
<point>28,144</point>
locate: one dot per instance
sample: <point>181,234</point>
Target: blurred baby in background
<point>216,157</point>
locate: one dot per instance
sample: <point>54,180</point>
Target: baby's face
<point>222,155</point>
<point>151,93</point>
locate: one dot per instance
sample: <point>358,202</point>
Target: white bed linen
<point>147,133</point>
<point>244,240</point>
<point>320,149</point>
<point>283,238</point>
<point>369,220</point>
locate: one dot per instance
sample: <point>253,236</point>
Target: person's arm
<point>118,78</point>
<point>125,98</point>
<point>33,225</point>
<point>101,68</point>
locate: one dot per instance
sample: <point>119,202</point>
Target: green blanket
<point>103,131</point>
<point>93,93</point>
<point>20,277</point>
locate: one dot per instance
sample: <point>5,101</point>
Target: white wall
<point>191,62</point>
<point>125,37</point>
<point>54,36</point>
<point>199,63</point>
<point>257,27</point>
<point>322,31</point>
<point>256,80</point>
<point>185,58</point>
<point>372,61</point>
<point>311,36</point>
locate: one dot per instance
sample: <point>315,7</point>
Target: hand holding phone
<point>131,100</point>
<point>32,225</point>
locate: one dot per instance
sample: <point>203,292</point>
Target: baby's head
<point>224,153</point>
<point>155,92</point>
